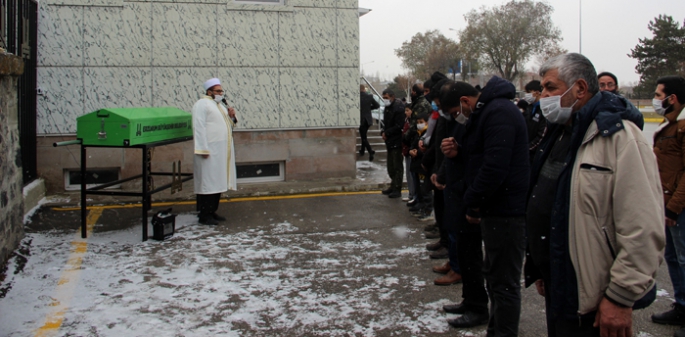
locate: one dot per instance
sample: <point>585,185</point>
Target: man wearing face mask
<point>466,250</point>
<point>535,121</point>
<point>214,160</point>
<point>495,150</point>
<point>669,98</point>
<point>393,123</point>
<point>594,216</point>
<point>608,82</point>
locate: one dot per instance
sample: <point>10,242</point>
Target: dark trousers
<point>207,204</point>
<point>573,328</point>
<point>424,191</point>
<point>395,168</point>
<point>452,214</point>
<point>363,129</point>
<point>470,257</point>
<point>505,244</point>
<point>439,208</point>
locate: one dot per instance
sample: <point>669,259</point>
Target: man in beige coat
<point>595,213</point>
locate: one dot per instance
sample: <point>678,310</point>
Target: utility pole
<point>580,27</point>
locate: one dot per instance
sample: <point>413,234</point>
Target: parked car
<point>378,113</point>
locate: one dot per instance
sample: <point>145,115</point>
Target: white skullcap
<point>211,82</point>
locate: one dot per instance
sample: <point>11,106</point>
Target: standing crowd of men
<point>565,179</point>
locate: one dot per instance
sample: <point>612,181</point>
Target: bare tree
<point>427,53</point>
<point>507,36</point>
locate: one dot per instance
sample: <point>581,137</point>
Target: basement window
<point>260,172</point>
<point>94,177</point>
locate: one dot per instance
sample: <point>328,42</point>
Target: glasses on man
<point>607,85</point>
<point>220,92</point>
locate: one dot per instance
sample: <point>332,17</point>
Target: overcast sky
<point>610,29</point>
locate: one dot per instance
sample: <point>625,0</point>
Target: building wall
<point>284,67</point>
<point>11,198</point>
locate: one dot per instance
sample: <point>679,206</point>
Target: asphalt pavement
<point>336,264</point>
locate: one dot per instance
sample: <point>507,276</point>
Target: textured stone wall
<point>11,199</point>
<point>290,71</point>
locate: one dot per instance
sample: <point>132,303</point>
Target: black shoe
<point>395,194</point>
<point>458,308</point>
<point>468,319</point>
<point>680,333</point>
<point>387,191</point>
<point>415,208</point>
<point>208,221</point>
<point>218,217</point>
<point>430,228</point>
<point>431,247</point>
<point>361,153</point>
<point>441,253</point>
<point>433,235</point>
<point>411,202</point>
<point>675,316</point>
<point>371,153</point>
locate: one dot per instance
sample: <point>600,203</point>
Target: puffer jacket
<point>496,143</point>
<point>607,236</point>
<point>668,147</point>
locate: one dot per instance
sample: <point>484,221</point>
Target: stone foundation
<point>308,155</point>
<point>11,199</point>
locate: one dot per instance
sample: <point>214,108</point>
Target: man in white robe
<point>214,160</point>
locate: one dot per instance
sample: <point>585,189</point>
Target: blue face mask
<point>435,106</point>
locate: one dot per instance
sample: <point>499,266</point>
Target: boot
<point>442,269</point>
<point>449,279</point>
<point>441,253</point>
<point>469,319</point>
<point>675,316</point>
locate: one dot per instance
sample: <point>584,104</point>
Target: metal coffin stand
<point>147,188</point>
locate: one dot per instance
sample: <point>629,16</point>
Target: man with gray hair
<point>595,212</point>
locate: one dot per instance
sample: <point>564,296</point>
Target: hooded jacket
<point>496,142</point>
<point>606,232</point>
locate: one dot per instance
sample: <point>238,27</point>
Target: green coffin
<point>133,126</point>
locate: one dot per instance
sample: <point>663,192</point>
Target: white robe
<point>213,135</point>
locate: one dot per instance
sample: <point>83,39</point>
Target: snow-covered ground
<point>275,280</point>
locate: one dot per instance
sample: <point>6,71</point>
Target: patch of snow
<point>30,186</point>
<point>198,283</point>
<point>32,211</point>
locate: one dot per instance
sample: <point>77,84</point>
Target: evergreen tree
<point>662,55</point>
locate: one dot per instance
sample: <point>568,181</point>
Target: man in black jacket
<point>466,250</point>
<point>393,122</point>
<point>497,176</point>
<point>366,104</point>
<point>535,121</point>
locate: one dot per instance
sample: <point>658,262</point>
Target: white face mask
<point>386,102</point>
<point>658,105</point>
<point>218,98</point>
<point>553,111</point>
<point>461,119</point>
<point>420,126</point>
<point>528,97</point>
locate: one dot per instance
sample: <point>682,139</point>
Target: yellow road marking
<point>69,278</point>
<point>192,202</point>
